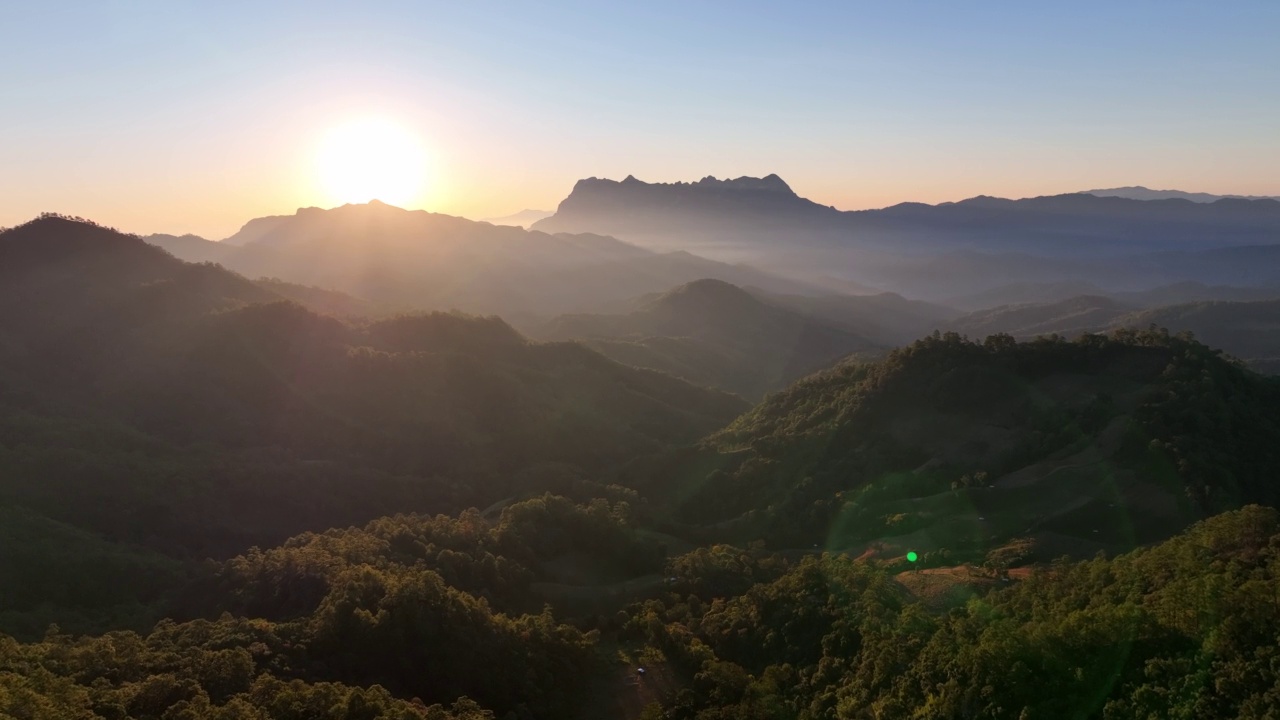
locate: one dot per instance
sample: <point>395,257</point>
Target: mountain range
<point>933,252</point>
<point>418,260</point>
<point>1137,192</point>
<point>381,259</point>
<point>756,232</point>
<point>745,210</point>
<point>198,369</point>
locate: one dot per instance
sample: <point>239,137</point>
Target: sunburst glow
<point>372,159</point>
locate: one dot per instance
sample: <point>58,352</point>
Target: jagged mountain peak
<point>770,183</point>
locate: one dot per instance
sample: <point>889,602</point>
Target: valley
<point>279,482</point>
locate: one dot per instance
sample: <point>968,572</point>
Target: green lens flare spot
<point>912,556</point>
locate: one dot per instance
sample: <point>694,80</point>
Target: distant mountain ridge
<point>930,251</point>
<point>706,210</point>
<point>524,218</point>
<point>420,260</point>
<point>1138,192</point>
<point>715,209</point>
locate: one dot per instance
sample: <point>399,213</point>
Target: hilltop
<point>716,334</point>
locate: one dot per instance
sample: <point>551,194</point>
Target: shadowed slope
<point>128,377</point>
<point>714,333</point>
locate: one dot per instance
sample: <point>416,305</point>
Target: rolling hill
<point>887,319</point>
<point>997,452</point>
<point>1249,331</point>
<point>715,334</point>
<point>154,414</point>
<point>185,408</point>
<point>1244,329</point>
<point>1070,317</point>
<point>1170,294</point>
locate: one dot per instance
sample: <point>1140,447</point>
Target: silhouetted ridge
<point>59,251</point>
<point>56,237</point>
<point>412,259</point>
<point>769,183</point>
<point>1138,192</point>
<point>931,252</point>
<point>685,210</point>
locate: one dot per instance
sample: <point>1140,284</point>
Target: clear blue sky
<point>195,116</point>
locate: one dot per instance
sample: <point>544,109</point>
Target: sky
<point>182,116</point>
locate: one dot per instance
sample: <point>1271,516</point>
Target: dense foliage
<point>215,504</point>
<point>386,606</point>
<point>1185,629</point>
<point>948,427</point>
<point>153,410</point>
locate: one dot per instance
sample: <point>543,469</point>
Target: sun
<point>372,159</point>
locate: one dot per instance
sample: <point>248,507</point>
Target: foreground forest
<point>218,500</point>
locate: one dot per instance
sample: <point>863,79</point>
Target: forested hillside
<point>1184,629</point>
<point>990,450</point>
<point>1247,330</point>
<point>379,622</point>
<point>216,503</point>
<point>152,410</point>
